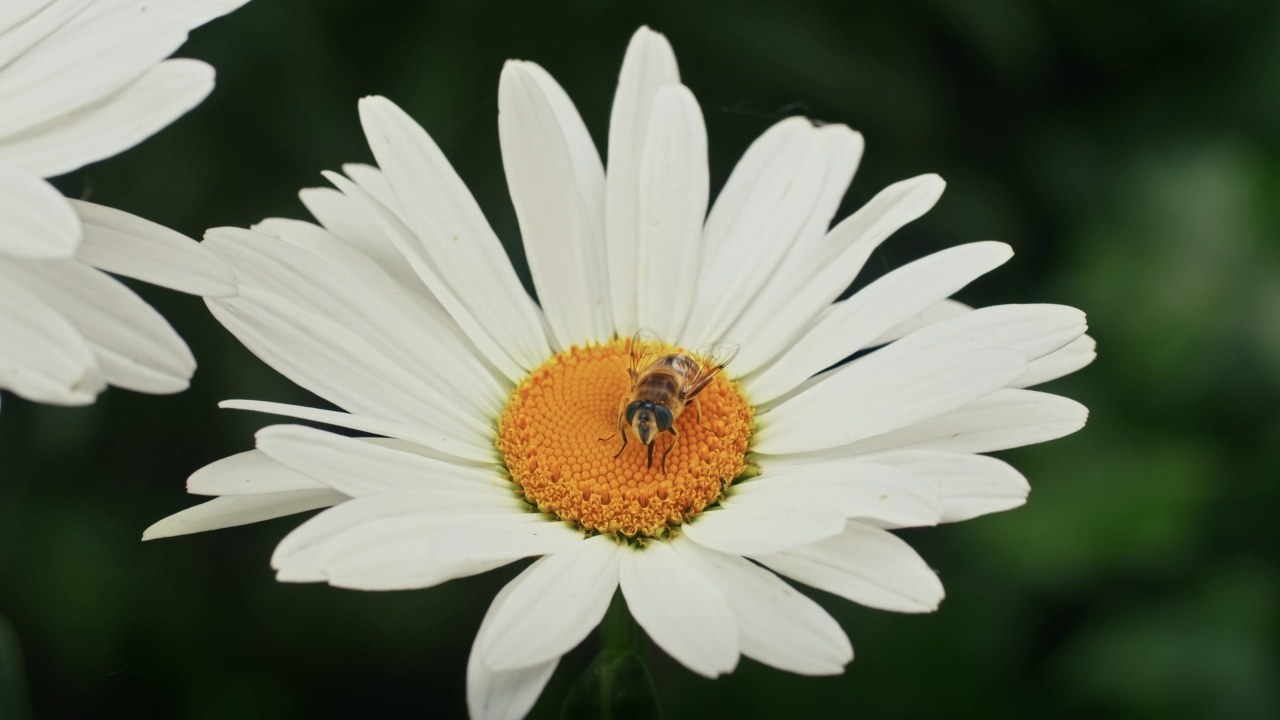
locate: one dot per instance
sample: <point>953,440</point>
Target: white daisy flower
<point>497,417</point>
<point>80,81</point>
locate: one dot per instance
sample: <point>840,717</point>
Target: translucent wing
<point>644,347</point>
<point>711,359</point>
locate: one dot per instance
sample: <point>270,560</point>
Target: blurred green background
<point>1130,152</point>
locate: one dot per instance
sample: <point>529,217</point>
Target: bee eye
<point>632,409</point>
<point>664,417</point>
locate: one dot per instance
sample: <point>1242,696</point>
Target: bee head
<point>648,419</point>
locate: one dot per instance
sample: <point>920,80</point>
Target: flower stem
<point>617,684</point>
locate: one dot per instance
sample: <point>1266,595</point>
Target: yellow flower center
<point>560,431</point>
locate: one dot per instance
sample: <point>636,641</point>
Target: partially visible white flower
<point>493,411</point>
<point>80,81</point>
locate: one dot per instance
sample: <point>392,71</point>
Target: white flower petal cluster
<point>401,308</point>
<point>80,81</point>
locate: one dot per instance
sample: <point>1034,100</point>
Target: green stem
<point>619,633</point>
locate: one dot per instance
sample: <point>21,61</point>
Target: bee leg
<point>624,437</point>
<point>698,406</point>
<point>674,437</point>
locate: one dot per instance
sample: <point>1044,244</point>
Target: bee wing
<point>644,347</point>
<point>711,359</point>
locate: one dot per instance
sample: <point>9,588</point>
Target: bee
<point>663,385</point>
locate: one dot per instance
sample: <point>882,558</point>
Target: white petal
<point>506,695</point>
<point>417,435</point>
<point>556,182</point>
<point>968,485</point>
<point>309,270</point>
<point>861,490</point>
<point>506,543</point>
<point>429,275</point>
<point>137,112</point>
<point>384,542</point>
<point>1070,358</point>
<point>673,188</point>
<point>325,357</point>
<point>823,263</point>
<point>26,23</point>
<point>890,389</point>
<point>853,324</point>
<point>235,510</point>
<point>937,312</point>
<point>248,473</point>
<point>867,565</point>
<point>556,604</point>
<point>649,65</point>
<point>452,230</point>
<point>399,554</point>
<point>1002,420</point>
<point>682,611</point>
<point>932,371</point>
<point>765,204</point>
<point>136,348</point>
<point>42,356</point>
<point>341,216</point>
<point>358,468</point>
<point>752,531</point>
<point>128,245</point>
<point>75,69</point>
<point>777,624</point>
<point>35,220</point>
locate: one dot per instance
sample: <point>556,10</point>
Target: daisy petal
<point>682,611</point>
<point>36,221</point>
<point>452,230</point>
<point>248,473</point>
<point>507,543</point>
<point>160,96</point>
<point>852,324</point>
<point>649,66</point>
<point>325,357</point>
<point>1070,358</point>
<point>42,356</point>
<point>135,347</point>
<point>23,25</point>
<point>125,244</point>
<point>968,485</point>
<point>556,182</point>
<point>674,187</point>
<point>163,94</point>
<point>777,624</point>
<point>765,204</point>
<point>58,77</point>
<point>305,554</point>
<point>358,468</point>
<point>1002,420</point>
<point>398,554</point>
<point>937,312</point>
<point>865,491</point>
<point>416,337</point>
<point>235,510</point>
<point>505,695</point>
<point>932,371</point>
<point>402,431</point>
<point>555,605</point>
<point>864,564</point>
<point>410,248</point>
<point>752,531</point>
<point>885,391</point>
<point>341,216</point>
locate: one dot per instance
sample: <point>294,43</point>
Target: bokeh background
<point>1130,152</point>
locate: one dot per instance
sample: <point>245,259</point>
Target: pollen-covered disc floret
<point>559,434</point>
